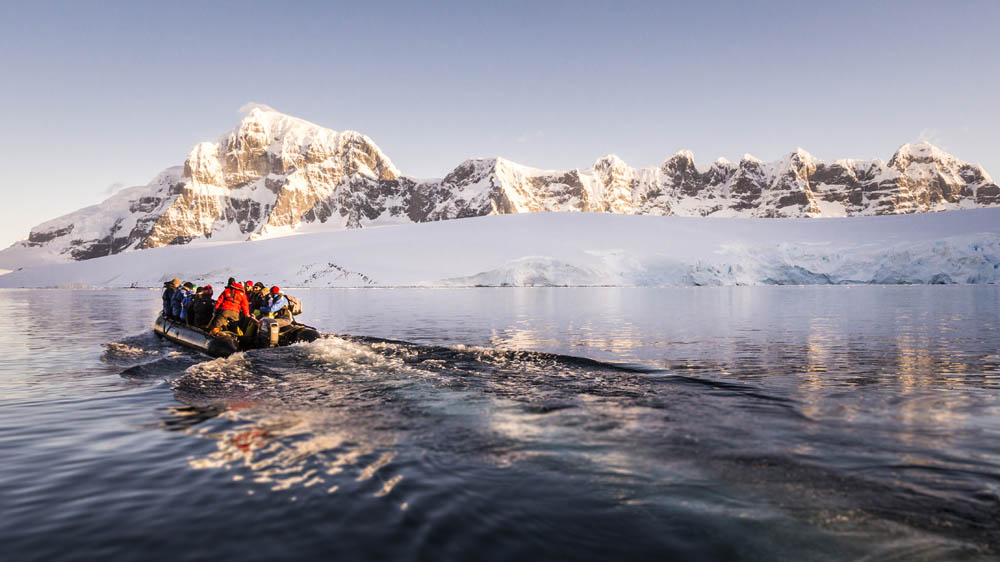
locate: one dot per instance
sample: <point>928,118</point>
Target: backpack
<point>186,301</point>
<point>294,305</point>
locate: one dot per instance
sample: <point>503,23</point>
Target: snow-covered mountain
<point>257,181</point>
<point>275,175</point>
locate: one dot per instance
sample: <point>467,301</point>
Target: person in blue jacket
<point>169,288</point>
<point>186,302</point>
<point>275,305</point>
<point>177,301</point>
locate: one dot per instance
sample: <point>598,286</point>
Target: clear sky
<point>99,95</point>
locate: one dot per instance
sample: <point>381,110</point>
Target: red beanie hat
<point>275,289</point>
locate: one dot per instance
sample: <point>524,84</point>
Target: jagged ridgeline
<point>275,175</point>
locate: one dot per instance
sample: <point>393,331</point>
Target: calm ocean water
<point>757,423</point>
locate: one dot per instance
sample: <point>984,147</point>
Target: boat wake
<point>147,357</point>
<point>368,417</point>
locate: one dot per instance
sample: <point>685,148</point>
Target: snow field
<point>574,249</point>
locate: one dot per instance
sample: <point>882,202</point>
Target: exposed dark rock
<point>40,238</point>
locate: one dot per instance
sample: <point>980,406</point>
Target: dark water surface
<point>767,423</point>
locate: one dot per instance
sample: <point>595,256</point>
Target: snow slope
<point>574,249</point>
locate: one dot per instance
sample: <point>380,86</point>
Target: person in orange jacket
<point>231,306</point>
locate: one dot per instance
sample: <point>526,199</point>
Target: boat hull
<point>226,344</point>
<point>188,336</point>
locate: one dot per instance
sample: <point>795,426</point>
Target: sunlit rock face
<point>267,177</point>
<point>275,175</point>
<point>918,178</point>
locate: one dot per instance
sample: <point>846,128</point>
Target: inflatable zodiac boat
<point>272,332</point>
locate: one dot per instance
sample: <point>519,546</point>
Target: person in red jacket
<point>231,305</point>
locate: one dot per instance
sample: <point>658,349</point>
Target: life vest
<point>235,299</point>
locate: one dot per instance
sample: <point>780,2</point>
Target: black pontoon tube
<point>179,332</point>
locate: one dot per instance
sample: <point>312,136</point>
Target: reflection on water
<point>618,426</point>
<point>296,415</point>
<point>832,423</point>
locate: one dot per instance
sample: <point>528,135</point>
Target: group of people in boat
<point>238,308</point>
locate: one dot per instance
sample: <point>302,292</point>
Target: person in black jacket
<point>169,288</point>
<point>256,297</point>
<point>202,307</point>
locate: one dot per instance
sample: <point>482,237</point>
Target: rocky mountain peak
<point>682,162</point>
<point>800,154</point>
<point>609,162</point>
<point>684,154</point>
<point>471,169</point>
<point>921,153</point>
<point>253,132</point>
<point>267,142</point>
<point>797,162</point>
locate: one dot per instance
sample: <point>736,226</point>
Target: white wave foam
<point>351,357</point>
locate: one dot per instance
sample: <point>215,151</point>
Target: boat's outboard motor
<point>269,331</point>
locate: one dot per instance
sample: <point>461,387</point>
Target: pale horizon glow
<point>101,97</point>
